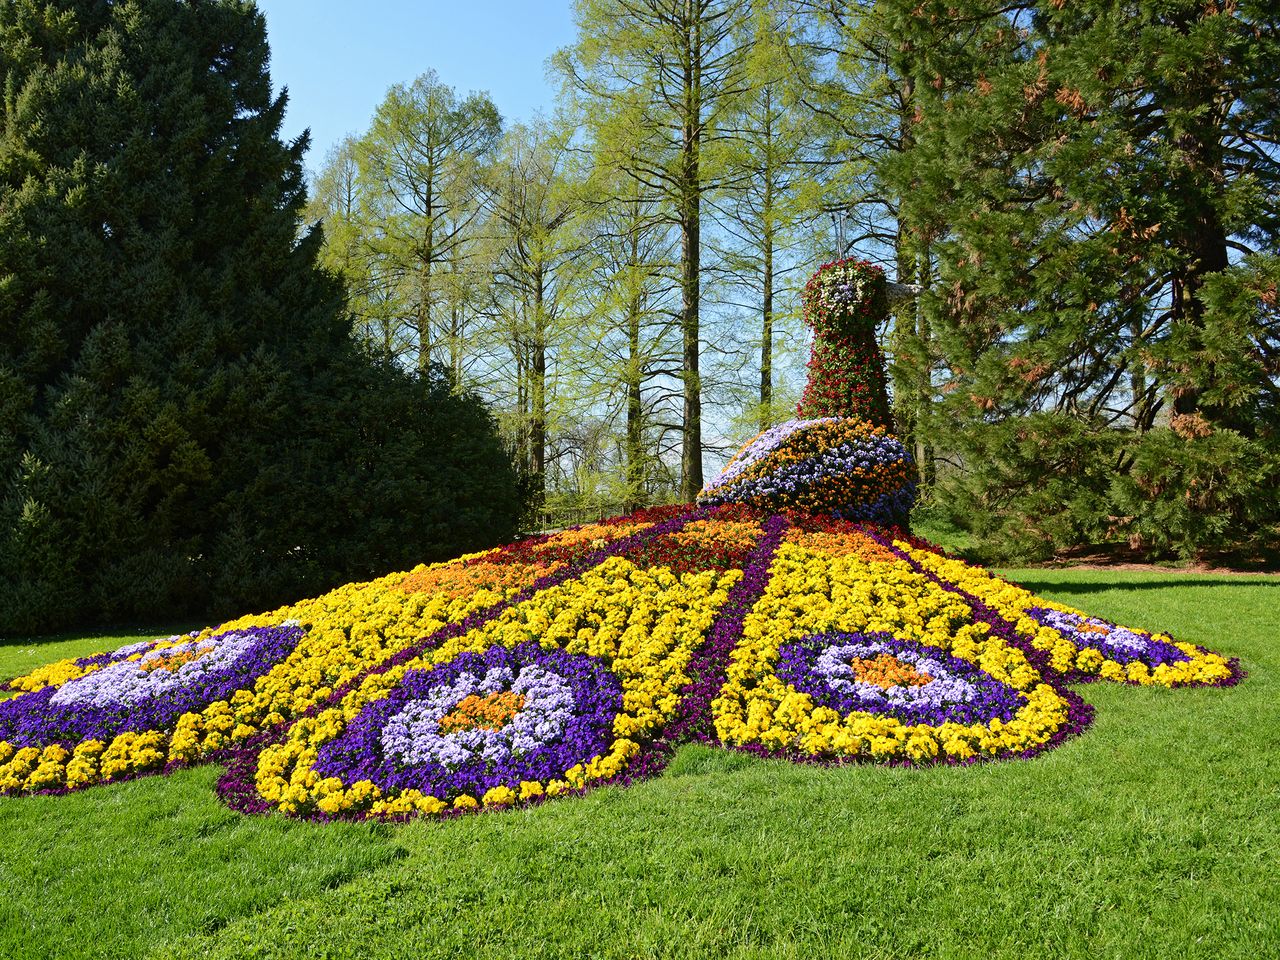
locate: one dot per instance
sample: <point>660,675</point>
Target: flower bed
<point>1078,646</point>
<point>567,661</point>
<point>836,466</point>
<point>635,630</point>
<point>830,650</point>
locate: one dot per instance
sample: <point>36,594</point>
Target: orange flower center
<point>887,671</point>
<point>171,661</point>
<point>490,712</point>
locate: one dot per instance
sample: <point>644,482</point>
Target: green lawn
<point>1156,834</point>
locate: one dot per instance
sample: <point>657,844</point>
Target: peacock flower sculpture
<point>787,613</point>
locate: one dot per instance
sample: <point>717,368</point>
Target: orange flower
<point>490,712</point>
<point>456,580</point>
<point>887,671</point>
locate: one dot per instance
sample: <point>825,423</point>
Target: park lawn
<point>1153,835</point>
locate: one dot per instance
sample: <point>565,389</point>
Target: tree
<point>186,424</point>
<point>422,162</point>
<point>772,204</point>
<point>655,81</point>
<point>637,349</point>
<point>342,202</point>
<point>1101,183</point>
<point>537,258</point>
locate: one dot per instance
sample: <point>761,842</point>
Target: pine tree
<point>185,422</point>
<point>1099,184</point>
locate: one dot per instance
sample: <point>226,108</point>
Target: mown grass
<point>1153,835</point>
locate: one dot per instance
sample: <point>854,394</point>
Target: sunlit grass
<point>1153,835</point>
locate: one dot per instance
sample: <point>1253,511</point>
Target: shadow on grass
<point>1164,583</point>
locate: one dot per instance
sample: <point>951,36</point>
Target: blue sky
<point>338,58</point>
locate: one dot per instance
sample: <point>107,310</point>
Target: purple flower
<point>131,693</point>
<point>1114,642</point>
<point>838,466</point>
<point>949,689</point>
<point>764,444</point>
<point>565,705</point>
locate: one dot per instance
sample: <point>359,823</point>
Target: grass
<point>1153,835</point>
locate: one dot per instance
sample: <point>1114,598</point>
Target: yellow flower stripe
<point>644,623</point>
<point>1012,602</point>
<point>810,593</point>
<point>347,630</point>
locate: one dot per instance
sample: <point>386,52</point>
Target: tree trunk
<point>538,396</point>
<point>424,285</point>
<point>635,468</point>
<point>766,326</point>
<point>691,258</point>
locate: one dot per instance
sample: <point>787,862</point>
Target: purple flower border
<point>993,699</point>
<point>237,786</point>
<point>710,664</point>
<point>358,753</point>
<point>32,720</point>
<point>1007,632</point>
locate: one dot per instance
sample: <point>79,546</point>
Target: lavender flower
<point>133,694</point>
<point>951,689</point>
<point>568,703</point>
<point>1116,643</point>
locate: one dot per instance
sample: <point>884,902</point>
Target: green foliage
<point>1035,483</point>
<point>187,423</point>
<point>400,207</point>
<point>1182,493</point>
<point>1098,186</point>
<point>1169,791</point>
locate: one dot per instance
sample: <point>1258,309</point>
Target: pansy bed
<point>564,662</point>
<point>785,613</point>
<point>858,656</point>
<point>840,466</point>
<point>1076,646</point>
<point>55,732</point>
<point>610,651</point>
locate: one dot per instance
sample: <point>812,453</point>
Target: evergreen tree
<point>185,421</point>
<point>1099,184</point>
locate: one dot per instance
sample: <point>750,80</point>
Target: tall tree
<point>772,202</point>
<point>537,256</point>
<point>1102,184</point>
<point>185,422</point>
<point>655,80</point>
<point>422,160</point>
<point>342,203</point>
<point>636,349</point>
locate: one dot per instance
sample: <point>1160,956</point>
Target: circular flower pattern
<point>879,674</point>
<point>143,686</point>
<point>480,721</point>
<point>1117,643</point>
